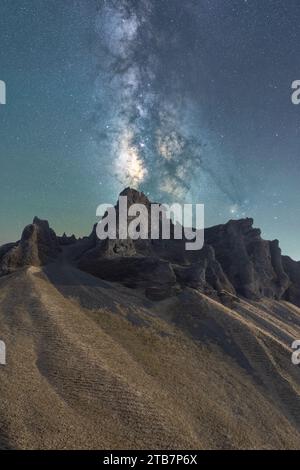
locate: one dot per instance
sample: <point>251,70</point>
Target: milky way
<point>155,135</point>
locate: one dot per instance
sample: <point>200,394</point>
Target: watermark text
<point>2,353</point>
<point>2,92</point>
<point>153,221</point>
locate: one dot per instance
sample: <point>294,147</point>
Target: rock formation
<point>65,240</point>
<point>252,265</point>
<point>38,246</point>
<point>235,260</point>
<point>292,268</point>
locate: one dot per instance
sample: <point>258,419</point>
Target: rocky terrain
<point>142,344</point>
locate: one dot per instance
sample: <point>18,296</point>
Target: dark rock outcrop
<point>234,260</point>
<point>135,271</point>
<point>65,240</point>
<point>252,265</point>
<point>292,268</point>
<point>38,246</point>
<point>192,275</point>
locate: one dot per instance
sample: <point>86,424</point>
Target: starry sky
<point>189,101</point>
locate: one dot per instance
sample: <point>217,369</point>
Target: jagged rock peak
<point>135,197</point>
<point>67,240</point>
<point>38,246</point>
<point>40,222</point>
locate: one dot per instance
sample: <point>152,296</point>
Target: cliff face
<point>253,265</point>
<point>235,260</point>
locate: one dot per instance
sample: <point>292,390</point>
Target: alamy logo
<point>153,221</point>
<point>2,92</point>
<point>2,353</point>
<point>296,353</point>
<point>296,93</point>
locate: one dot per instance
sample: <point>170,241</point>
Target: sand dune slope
<point>92,364</point>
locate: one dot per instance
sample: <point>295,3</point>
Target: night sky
<point>189,101</point>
